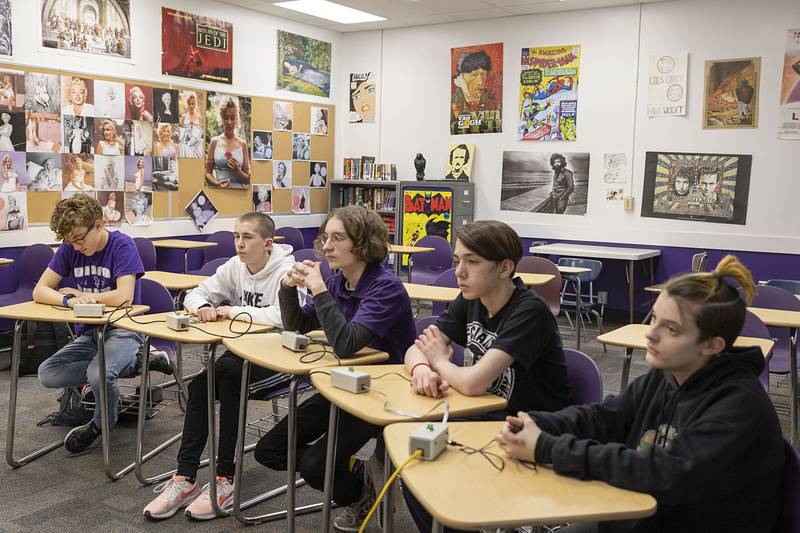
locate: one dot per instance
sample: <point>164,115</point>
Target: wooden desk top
<point>573,270</point>
<point>465,491</point>
<point>174,280</point>
<point>209,332</point>
<point>182,244</point>
<point>48,313</point>
<point>278,238</point>
<point>399,249</point>
<point>657,288</point>
<point>265,349</point>
<point>368,406</point>
<point>599,252</point>
<point>632,336</point>
<point>418,291</point>
<point>531,280</point>
<point>777,317</point>
<point>4,261</point>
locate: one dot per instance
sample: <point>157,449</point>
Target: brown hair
<point>264,224</point>
<point>74,212</point>
<point>365,228</point>
<point>720,310</point>
<point>493,240</point>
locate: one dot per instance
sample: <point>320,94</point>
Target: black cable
<point>494,459</point>
<point>319,353</point>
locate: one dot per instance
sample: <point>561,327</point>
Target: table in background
<point>394,382</point>
<point>185,245</point>
<point>398,250</point>
<point>266,350</point>
<point>5,262</point>
<point>629,255</point>
<point>466,492</point>
<point>778,318</point>
<point>632,337</point>
<point>532,280</point>
<point>208,333</point>
<point>49,313</point>
<point>418,291</point>
<point>176,282</point>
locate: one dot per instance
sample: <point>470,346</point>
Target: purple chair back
<point>32,263</point>
<point>789,518</point>
<point>791,285</point>
<point>777,298</point>
<point>445,279</point>
<point>292,237</point>
<point>147,252</point>
<point>550,291</point>
<point>458,351</point>
<point>159,299</point>
<point>584,377</point>
<point>210,268</point>
<point>225,247</point>
<point>310,254</point>
<point>754,327</point>
<point>426,267</point>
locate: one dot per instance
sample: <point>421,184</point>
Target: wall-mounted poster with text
<point>100,27</point>
<point>666,95</point>
<point>705,187</point>
<point>362,97</point>
<point>196,47</point>
<point>476,89</point>
<point>789,112</point>
<point>549,93</point>
<point>426,211</point>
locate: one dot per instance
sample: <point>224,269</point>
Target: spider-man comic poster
<point>196,47</point>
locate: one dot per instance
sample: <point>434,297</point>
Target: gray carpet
<point>62,493</point>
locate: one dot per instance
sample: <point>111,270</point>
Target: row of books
<point>389,221</point>
<point>365,168</point>
<point>378,199</point>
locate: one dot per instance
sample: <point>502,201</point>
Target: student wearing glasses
<point>105,267</point>
<point>362,304</point>
<point>698,432</point>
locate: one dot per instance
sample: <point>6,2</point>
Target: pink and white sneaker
<point>201,508</point>
<point>174,494</point>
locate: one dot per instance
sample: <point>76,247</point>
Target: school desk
<point>185,245</point>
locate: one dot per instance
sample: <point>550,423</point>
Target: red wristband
<point>415,366</point>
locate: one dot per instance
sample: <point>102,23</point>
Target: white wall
<point>254,74</point>
<point>414,104</point>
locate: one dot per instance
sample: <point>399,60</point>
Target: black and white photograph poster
<point>262,198</point>
<point>44,172</point>
<point>109,99</point>
<point>42,93</point>
<point>78,134</point>
<point>301,146</point>
<point>139,208</point>
<point>201,210</point>
<point>13,211</point>
<point>545,182</point>
<point>6,43</point>
<point>262,145</point>
<point>319,174</point>
<point>165,174</point>
<point>282,174</point>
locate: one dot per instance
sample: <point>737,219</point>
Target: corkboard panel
<point>40,206</point>
<point>261,172</point>
<point>300,173</point>
<point>191,173</point>
<point>282,145</point>
<point>301,121</point>
<point>322,150</point>
<point>319,200</point>
<point>281,201</point>
<point>261,114</point>
<point>160,204</point>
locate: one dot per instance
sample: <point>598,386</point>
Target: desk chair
<point>789,518</point>
<point>311,255</point>
<point>589,302</point>
<point>147,252</point>
<point>30,266</point>
<point>210,268</point>
<point>550,291</point>
<point>292,237</point>
<point>445,279</point>
<point>426,267</point>
<point>754,327</point>
<point>791,285</point>
<point>224,249</point>
<point>699,264</point>
<point>776,298</point>
<point>584,377</point>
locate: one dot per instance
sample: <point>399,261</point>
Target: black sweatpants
<point>312,441</point>
<point>228,382</point>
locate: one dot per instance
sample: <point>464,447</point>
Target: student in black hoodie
<point>697,431</point>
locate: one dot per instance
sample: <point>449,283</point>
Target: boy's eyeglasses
<point>335,237</point>
<point>80,240</point>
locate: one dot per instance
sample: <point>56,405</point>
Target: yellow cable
<point>389,481</point>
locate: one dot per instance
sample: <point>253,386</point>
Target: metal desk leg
<point>330,457</point>
<point>436,527</point>
<point>793,384</point>
<point>577,279</point>
<point>626,370</point>
<point>388,498</point>
<point>12,408</point>
<point>178,370</point>
<point>186,261</point>
<point>630,272</point>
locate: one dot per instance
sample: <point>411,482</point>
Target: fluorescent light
<point>330,11</point>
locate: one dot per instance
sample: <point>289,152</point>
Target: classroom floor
<point>62,493</point>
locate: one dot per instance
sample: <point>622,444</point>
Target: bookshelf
<point>382,196</point>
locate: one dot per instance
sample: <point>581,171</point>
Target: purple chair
<point>754,327</point>
<point>147,252</point>
<point>458,351</point>
<point>291,236</point>
<point>310,254</point>
<point>789,518</point>
<point>791,285</point>
<point>225,246</point>
<point>777,298</point>
<point>30,266</point>
<point>426,267</point>
<point>159,299</point>
<point>584,377</point>
<point>445,279</point>
<point>550,291</point>
<point>210,268</point>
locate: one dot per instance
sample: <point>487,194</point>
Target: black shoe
<point>82,439</point>
<point>159,362</point>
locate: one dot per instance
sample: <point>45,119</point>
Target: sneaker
<point>174,494</point>
<point>159,362</point>
<point>351,518</point>
<point>201,509</point>
<point>82,439</point>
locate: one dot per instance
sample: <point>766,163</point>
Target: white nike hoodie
<point>256,294</point>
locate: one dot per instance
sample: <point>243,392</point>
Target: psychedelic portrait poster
<point>704,187</point>
<point>549,93</point>
<point>789,111</point>
<point>426,211</point>
<point>476,89</point>
<point>196,47</point>
<point>304,64</point>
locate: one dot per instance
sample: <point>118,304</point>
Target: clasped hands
<point>305,274</point>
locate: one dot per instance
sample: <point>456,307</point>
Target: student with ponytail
<point>697,431</point>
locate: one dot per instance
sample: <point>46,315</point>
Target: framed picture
<point>731,93</point>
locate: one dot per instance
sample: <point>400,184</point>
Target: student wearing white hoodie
<point>248,283</point>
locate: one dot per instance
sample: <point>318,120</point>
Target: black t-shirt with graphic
<point>525,329</point>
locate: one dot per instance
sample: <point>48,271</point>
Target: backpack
<point>40,340</point>
<point>71,411</point>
